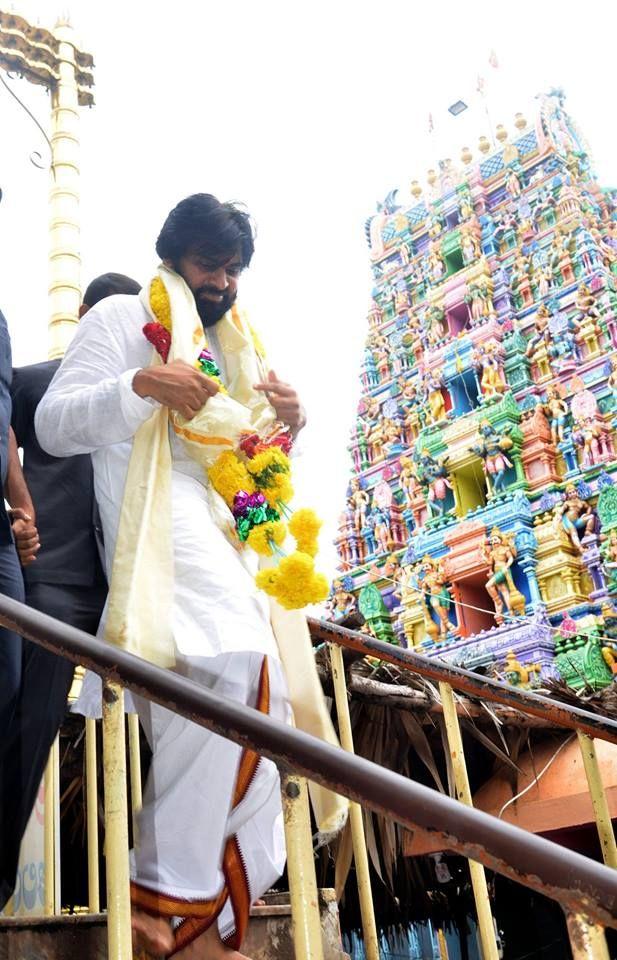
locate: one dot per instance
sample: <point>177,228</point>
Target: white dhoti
<point>211,829</point>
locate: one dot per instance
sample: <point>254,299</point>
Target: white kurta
<point>90,407</point>
<point>220,625</point>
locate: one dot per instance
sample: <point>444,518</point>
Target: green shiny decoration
<point>258,515</point>
<point>210,368</point>
<point>244,527</point>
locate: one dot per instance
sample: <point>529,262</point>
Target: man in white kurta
<point>210,834</point>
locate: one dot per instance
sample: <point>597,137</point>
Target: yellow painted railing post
<point>116,825</point>
<point>587,941</point>
<point>135,766</point>
<point>443,946</point>
<point>50,825</point>
<point>92,818</point>
<point>486,927</point>
<point>598,799</point>
<point>305,915</point>
<point>369,927</point>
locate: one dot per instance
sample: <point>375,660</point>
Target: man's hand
<point>26,535</point>
<point>176,385</point>
<point>285,401</point>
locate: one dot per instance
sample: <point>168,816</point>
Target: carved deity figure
<point>465,207</point>
<point>520,283</point>
<point>513,184</point>
<point>561,259</point>
<point>414,416</point>
<point>435,596</point>
<point>479,300</point>
<point>590,433</point>
<point>434,397</point>
<point>401,300</point>
<point>556,410</point>
<point>392,443</point>
<point>488,360</point>
<point>612,381</point>
<point>436,263</point>
<point>586,323</point>
<point>609,557</point>
<point>341,603</point>
<point>358,502</point>
<point>499,553</point>
<point>434,324</point>
<point>575,516</point>
<point>408,480</point>
<point>542,280</point>
<point>433,476</point>
<point>537,345</point>
<point>380,350</point>
<point>492,449</point>
<point>517,674</point>
<point>380,521</point>
<point>470,248</point>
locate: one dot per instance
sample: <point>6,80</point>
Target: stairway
<point>84,936</point>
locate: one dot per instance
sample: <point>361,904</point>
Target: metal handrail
<point>559,714</point>
<point>579,884</point>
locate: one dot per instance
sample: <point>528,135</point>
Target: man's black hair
<point>107,285</point>
<point>202,224</point>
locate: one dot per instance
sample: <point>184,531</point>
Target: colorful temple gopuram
<point>481,516</point>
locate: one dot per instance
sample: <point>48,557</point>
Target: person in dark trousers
<point>63,578</point>
<point>15,523</point>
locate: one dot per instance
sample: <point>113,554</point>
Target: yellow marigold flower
<point>279,491</point>
<point>298,584</point>
<point>305,524</point>
<point>228,475</point>
<point>307,546</point>
<point>267,580</point>
<point>269,459</point>
<point>264,535</point>
<point>159,302</point>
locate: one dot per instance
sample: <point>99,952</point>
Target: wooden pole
<point>363,877</point>
<point>463,792</point>
<point>305,916</point>
<point>119,945</point>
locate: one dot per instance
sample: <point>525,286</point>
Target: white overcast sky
<point>309,113</point>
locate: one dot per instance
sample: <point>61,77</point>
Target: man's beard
<point>209,311</point>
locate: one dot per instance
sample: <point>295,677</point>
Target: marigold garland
<point>228,475</point>
<point>255,483</point>
<point>159,333</point>
<point>294,583</point>
<point>159,301</point>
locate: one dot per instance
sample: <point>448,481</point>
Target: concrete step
<point>84,936</point>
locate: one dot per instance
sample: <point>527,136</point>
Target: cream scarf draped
<point>141,591</point>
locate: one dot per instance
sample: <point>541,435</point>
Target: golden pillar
<point>64,257</point>
<point>52,59</point>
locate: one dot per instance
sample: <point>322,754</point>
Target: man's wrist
<point>141,383</point>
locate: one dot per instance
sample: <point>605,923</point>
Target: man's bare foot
<point>209,946</point>
<point>151,934</point>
